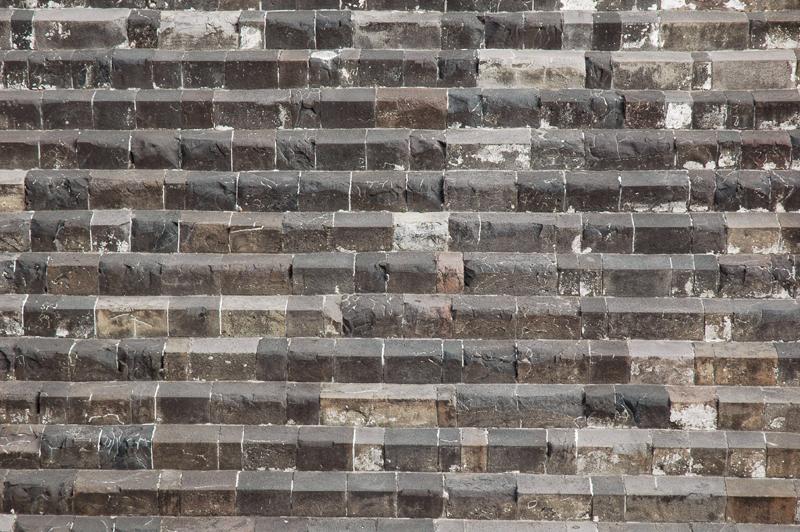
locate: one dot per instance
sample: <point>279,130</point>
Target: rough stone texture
<point>399,265</point>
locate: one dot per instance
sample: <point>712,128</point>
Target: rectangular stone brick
<point>243,316</point>
<point>516,68</point>
<point>540,497</point>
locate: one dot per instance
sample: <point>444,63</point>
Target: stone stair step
<point>399,108</point>
<point>417,192</point>
<point>87,28</point>
<point>455,495</point>
<point>516,149</point>
<point>348,524</point>
<point>324,448</point>
<point>741,275</point>
<point>486,68</point>
<point>344,524</point>
<point>409,316</point>
<point>226,232</point>
<point>692,407</point>
<point>774,8</point>
<point>399,361</point>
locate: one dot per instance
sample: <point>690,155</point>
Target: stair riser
<point>467,405</point>
<point>394,108</point>
<point>551,451</point>
<point>286,69</point>
<point>198,30</point>
<point>371,316</point>
<point>395,361</point>
<point>670,30</point>
<point>429,5</point>
<point>355,150</point>
<point>541,191</point>
<point>402,361</point>
<point>707,276</point>
<point>508,496</point>
<point>231,232</point>
<point>339,524</point>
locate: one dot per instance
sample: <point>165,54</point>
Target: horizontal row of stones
<point>407,316</point>
<point>704,408</point>
<point>402,361</point>
<point>325,448</point>
<point>79,28</point>
<point>28,523</point>
<point>422,5</point>
<point>452,495</point>
<point>87,273</point>
<point>401,149</point>
<point>270,69</point>
<point>414,108</point>
<point>542,191</point>
<point>308,232</point>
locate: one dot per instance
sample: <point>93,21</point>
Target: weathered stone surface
<point>515,68</point>
<point>76,28</point>
<point>317,266</point>
<point>185,30</point>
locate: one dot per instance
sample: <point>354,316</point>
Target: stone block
<point>563,497</point>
